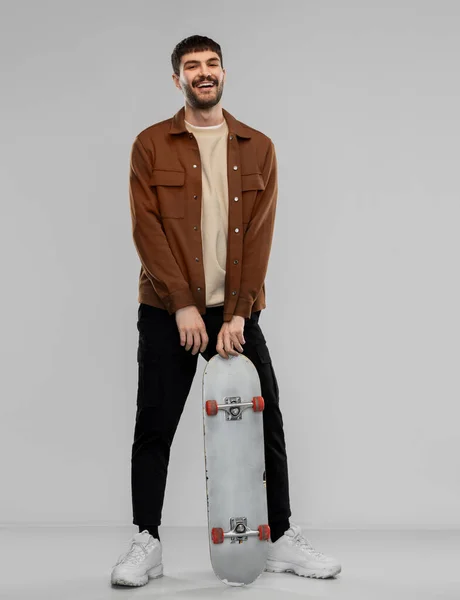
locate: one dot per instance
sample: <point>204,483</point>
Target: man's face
<point>197,68</point>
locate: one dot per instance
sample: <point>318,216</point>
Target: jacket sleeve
<point>258,237</point>
<point>149,238</point>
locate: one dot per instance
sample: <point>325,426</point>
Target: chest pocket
<point>251,183</point>
<point>170,189</point>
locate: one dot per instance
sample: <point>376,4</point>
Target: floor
<point>74,563</point>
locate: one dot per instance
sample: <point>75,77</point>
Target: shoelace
<point>301,541</point>
<point>134,556</point>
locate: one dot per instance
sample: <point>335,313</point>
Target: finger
<point>196,342</point>
<point>189,340</point>
<point>220,347</point>
<point>204,341</point>
<point>228,345</point>
<point>236,343</point>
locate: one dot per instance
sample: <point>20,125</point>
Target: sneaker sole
<point>153,573</point>
<point>280,567</point>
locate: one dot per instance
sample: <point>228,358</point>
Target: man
<point>203,192</point>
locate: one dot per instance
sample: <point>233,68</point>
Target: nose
<point>205,72</point>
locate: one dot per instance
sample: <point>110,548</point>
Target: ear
<point>175,79</point>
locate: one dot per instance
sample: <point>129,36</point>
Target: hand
<point>192,329</point>
<point>230,336</point>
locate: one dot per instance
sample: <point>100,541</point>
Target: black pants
<point>166,373</point>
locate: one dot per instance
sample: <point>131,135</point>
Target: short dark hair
<point>194,43</point>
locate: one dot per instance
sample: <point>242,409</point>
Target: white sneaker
<point>292,553</point>
<point>140,563</point>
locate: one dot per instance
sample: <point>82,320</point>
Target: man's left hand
<point>231,338</point>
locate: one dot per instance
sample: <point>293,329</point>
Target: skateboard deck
<point>235,469</point>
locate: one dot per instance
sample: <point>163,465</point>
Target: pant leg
<point>276,466</point>
<point>166,372</point>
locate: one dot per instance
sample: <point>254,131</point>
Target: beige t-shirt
<point>212,143</point>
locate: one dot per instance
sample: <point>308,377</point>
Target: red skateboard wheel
<point>217,535</point>
<point>264,532</point>
<point>211,408</point>
<point>258,404</point>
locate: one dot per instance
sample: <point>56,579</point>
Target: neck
<point>204,117</point>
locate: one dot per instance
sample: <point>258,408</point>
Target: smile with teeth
<point>206,85</point>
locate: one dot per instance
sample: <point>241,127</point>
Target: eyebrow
<point>197,61</point>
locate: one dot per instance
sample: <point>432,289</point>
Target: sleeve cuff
<point>178,299</point>
<point>243,308</point>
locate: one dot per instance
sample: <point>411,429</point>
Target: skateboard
<point>238,530</point>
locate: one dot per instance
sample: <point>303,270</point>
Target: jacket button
<point>198,289</point>
<point>235,168</point>
<point>195,228</point>
<point>195,197</point>
<point>197,259</point>
<point>190,135</point>
<point>235,262</point>
<point>231,137</point>
<point>194,166</point>
<point>234,293</point>
<point>237,230</point>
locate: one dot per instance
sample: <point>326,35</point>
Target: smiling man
<point>203,192</point>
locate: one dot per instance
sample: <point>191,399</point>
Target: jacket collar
<point>234,126</point>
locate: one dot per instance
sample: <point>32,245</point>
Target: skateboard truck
<point>233,407</point>
<point>239,532</point>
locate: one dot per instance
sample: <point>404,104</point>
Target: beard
<point>199,100</point>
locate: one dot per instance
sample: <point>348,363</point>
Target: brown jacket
<point>165,200</point>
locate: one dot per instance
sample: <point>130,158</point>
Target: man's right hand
<point>192,329</point>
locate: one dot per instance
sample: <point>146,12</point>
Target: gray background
<point>361,100</point>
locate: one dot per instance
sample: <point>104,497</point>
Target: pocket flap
<point>163,177</point>
<point>252,181</point>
